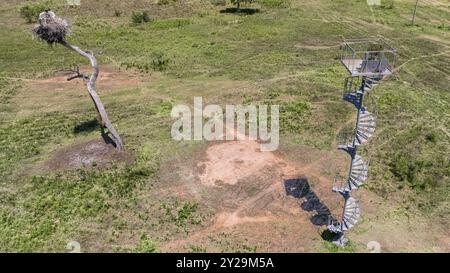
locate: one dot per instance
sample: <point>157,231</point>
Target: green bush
<point>182,214</point>
<point>160,61</point>
<point>387,4</point>
<point>31,11</point>
<point>140,17</point>
<point>146,245</point>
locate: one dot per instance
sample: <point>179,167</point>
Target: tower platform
<point>368,57</point>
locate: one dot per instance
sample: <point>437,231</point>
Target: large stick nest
<point>52,29</point>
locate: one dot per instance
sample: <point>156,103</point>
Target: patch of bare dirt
<point>88,154</point>
<point>57,94</point>
<point>110,78</point>
<point>229,162</point>
<point>262,197</point>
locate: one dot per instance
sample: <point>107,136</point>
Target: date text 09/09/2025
<point>225,263</point>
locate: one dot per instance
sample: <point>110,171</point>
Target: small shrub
<point>186,213</point>
<point>387,4</point>
<point>431,137</point>
<point>146,245</point>
<point>329,247</point>
<point>31,11</point>
<point>140,17</point>
<point>182,214</point>
<point>443,26</point>
<point>117,13</point>
<point>402,167</point>
<point>159,61</point>
<point>196,249</point>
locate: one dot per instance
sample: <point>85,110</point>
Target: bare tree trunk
<point>90,83</point>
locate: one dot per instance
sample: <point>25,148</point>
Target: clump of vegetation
<point>31,11</point>
<point>330,247</point>
<point>182,214</point>
<point>418,173</point>
<point>419,166</point>
<point>146,245</point>
<point>238,3</point>
<point>117,13</point>
<point>293,115</point>
<point>387,4</point>
<point>157,61</point>
<point>160,61</point>
<point>140,17</point>
<point>196,249</point>
<point>443,26</point>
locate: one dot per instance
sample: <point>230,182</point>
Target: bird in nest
<point>46,16</point>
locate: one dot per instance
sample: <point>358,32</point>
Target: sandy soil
<point>229,162</point>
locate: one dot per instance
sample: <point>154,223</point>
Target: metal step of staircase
<point>365,128</point>
<point>351,214</point>
<point>350,217</point>
<point>358,173</point>
<point>354,98</point>
<point>370,83</point>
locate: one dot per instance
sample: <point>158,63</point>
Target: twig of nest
<point>51,29</point>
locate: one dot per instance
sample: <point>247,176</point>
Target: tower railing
<point>367,57</point>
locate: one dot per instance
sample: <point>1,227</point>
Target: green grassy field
<point>284,54</point>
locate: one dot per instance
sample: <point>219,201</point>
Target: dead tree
<point>53,30</point>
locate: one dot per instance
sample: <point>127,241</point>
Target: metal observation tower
<point>367,61</point>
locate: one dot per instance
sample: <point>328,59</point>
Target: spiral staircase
<point>358,85</point>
